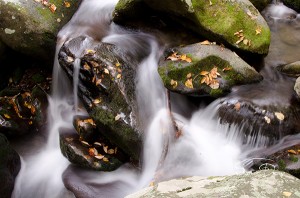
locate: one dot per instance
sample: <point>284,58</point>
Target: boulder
<point>219,21</point>
<point>294,4</point>
<point>10,165</point>
<point>204,69</point>
<point>107,89</point>
<point>267,183</point>
<point>297,86</point>
<point>292,69</point>
<point>97,155</point>
<point>30,27</point>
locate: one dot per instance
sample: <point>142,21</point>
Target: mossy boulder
<point>30,27</point>
<point>292,69</point>
<point>297,86</point>
<point>260,4</point>
<point>217,21</point>
<point>107,89</point>
<point>188,77</point>
<point>266,183</point>
<point>98,155</point>
<point>10,165</point>
<point>294,4</point>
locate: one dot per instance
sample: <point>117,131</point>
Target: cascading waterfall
<point>201,147</point>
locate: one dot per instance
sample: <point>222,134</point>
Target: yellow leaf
<point>117,117</point>
<point>258,31</point>
<point>106,71</point>
<point>183,57</point>
<point>173,83</point>
<point>189,83</point>
<point>203,80</point>
<point>111,151</point>
<point>86,66</point>
<point>203,73</point>
<point>105,149</point>
<point>105,159</point>
<point>188,59</point>
<point>90,51</point>
<point>67,4</point>
<point>206,42</point>
<point>214,72</point>
<point>226,69</point>
<point>286,194</point>
<point>97,101</point>
<point>70,59</point>
<point>291,151</point>
<point>7,116</point>
<point>189,75</point>
<point>119,76</point>
<point>118,64</point>
<point>90,121</point>
<point>279,116</point>
<point>267,119</point>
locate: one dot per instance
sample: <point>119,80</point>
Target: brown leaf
<point>226,69</point>
<point>206,42</point>
<point>189,75</point>
<point>105,159</point>
<point>52,7</point>
<point>119,76</point>
<point>214,84</point>
<point>97,101</point>
<point>98,82</point>
<point>291,151</point>
<point>93,152</point>
<point>237,106</point>
<point>203,73</point>
<point>106,71</point>
<point>111,151</point>
<point>67,4</point>
<point>86,66</point>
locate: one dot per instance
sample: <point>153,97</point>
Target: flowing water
<point>204,147</point>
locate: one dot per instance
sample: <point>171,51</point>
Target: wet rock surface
<point>10,165</point>
<point>218,21</point>
<point>30,27</point>
<point>204,69</point>
<point>292,69</point>
<point>266,183</point>
<point>297,87</point>
<point>106,88</point>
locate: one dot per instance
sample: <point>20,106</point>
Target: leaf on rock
<point>173,83</point>
<point>6,116</point>
<point>189,75</point>
<point>84,143</point>
<point>118,64</point>
<point>226,69</point>
<point>99,156</point>
<point>105,159</point>
<point>52,7</point>
<point>173,57</point>
<point>189,83</point>
<point>204,73</point>
<point>106,71</point>
<point>206,42</point>
<point>105,148</point>
<point>117,117</point>
<point>258,31</point>
<point>279,116</point>
<point>98,82</point>
<point>93,152</point>
<point>237,106</point>
<point>111,151</point>
<point>70,59</point>
<point>67,4</point>
<point>291,151</point>
<point>214,84</point>
<point>86,66</point>
<point>286,194</point>
<point>267,119</point>
<point>119,76</point>
<point>90,51</point>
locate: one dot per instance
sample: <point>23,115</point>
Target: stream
<point>206,148</point>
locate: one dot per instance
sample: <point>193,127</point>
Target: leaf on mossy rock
<point>173,83</point>
<point>189,83</point>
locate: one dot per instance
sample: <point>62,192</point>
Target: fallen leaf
<point>173,57</point>
<point>84,143</point>
<point>52,7</point>
<point>119,76</point>
<point>90,121</point>
<point>189,83</point>
<point>237,106</point>
<point>151,184</point>
<point>90,51</point>
<point>249,13</point>
<point>258,31</point>
<point>93,152</point>
<point>189,75</point>
<point>67,4</point>
<point>97,101</point>
<point>226,69</point>
<point>111,151</point>
<point>206,42</point>
<point>106,71</point>
<point>116,149</point>
<point>99,156</point>
<point>70,59</point>
<point>267,119</point>
<point>245,41</point>
<point>118,64</point>
<point>117,117</point>
<point>86,66</point>
<point>98,82</point>
<point>105,159</point>
<point>6,116</point>
<point>173,83</point>
<point>291,151</point>
<point>286,194</point>
<point>279,116</point>
<point>105,148</point>
<point>214,84</point>
<point>97,144</point>
<point>203,73</point>
<point>188,59</point>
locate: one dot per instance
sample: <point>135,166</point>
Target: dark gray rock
<point>292,69</point>
<point>297,86</point>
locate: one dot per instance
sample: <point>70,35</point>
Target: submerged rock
<point>30,27</point>
<point>202,69</point>
<point>10,165</point>
<point>292,69</point>
<point>266,183</point>
<point>218,21</point>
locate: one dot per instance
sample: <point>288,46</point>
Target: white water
<point>204,148</point>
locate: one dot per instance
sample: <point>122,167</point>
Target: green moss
<point>281,165</point>
<point>293,158</point>
<point>219,18</point>
<point>216,93</point>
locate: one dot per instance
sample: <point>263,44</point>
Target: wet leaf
<point>99,156</point>
<point>111,151</point>
<point>97,101</point>
<point>245,41</point>
<point>90,51</point>
<point>67,4</point>
<point>117,117</point>
<point>238,32</point>
<point>105,159</point>
<point>106,71</point>
<point>189,75</point>
<point>206,42</point>
<point>203,80</point>
<point>203,73</point>
<point>118,64</point>
<point>189,83</point>
<point>214,84</point>
<point>119,76</point>
<point>237,106</point>
<point>173,83</point>
<point>214,72</point>
<point>98,82</point>
<point>98,144</point>
<point>226,69</point>
<point>52,7</point>
<point>173,57</point>
<point>105,148</point>
<point>6,116</point>
<point>258,31</point>
<point>93,152</point>
<point>291,151</point>
<point>279,116</point>
<point>185,58</point>
<point>267,119</point>
<point>286,194</point>
<point>90,121</point>
<point>70,59</point>
<point>86,66</point>
<point>84,143</point>
<point>30,122</point>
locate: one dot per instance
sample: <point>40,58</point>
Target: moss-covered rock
<point>30,27</point>
<point>10,165</point>
<point>196,78</point>
<point>292,69</point>
<point>107,90</point>
<point>217,21</point>
<point>266,183</point>
<point>294,4</point>
<point>260,4</point>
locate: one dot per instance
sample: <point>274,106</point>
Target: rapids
<point>205,148</point>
